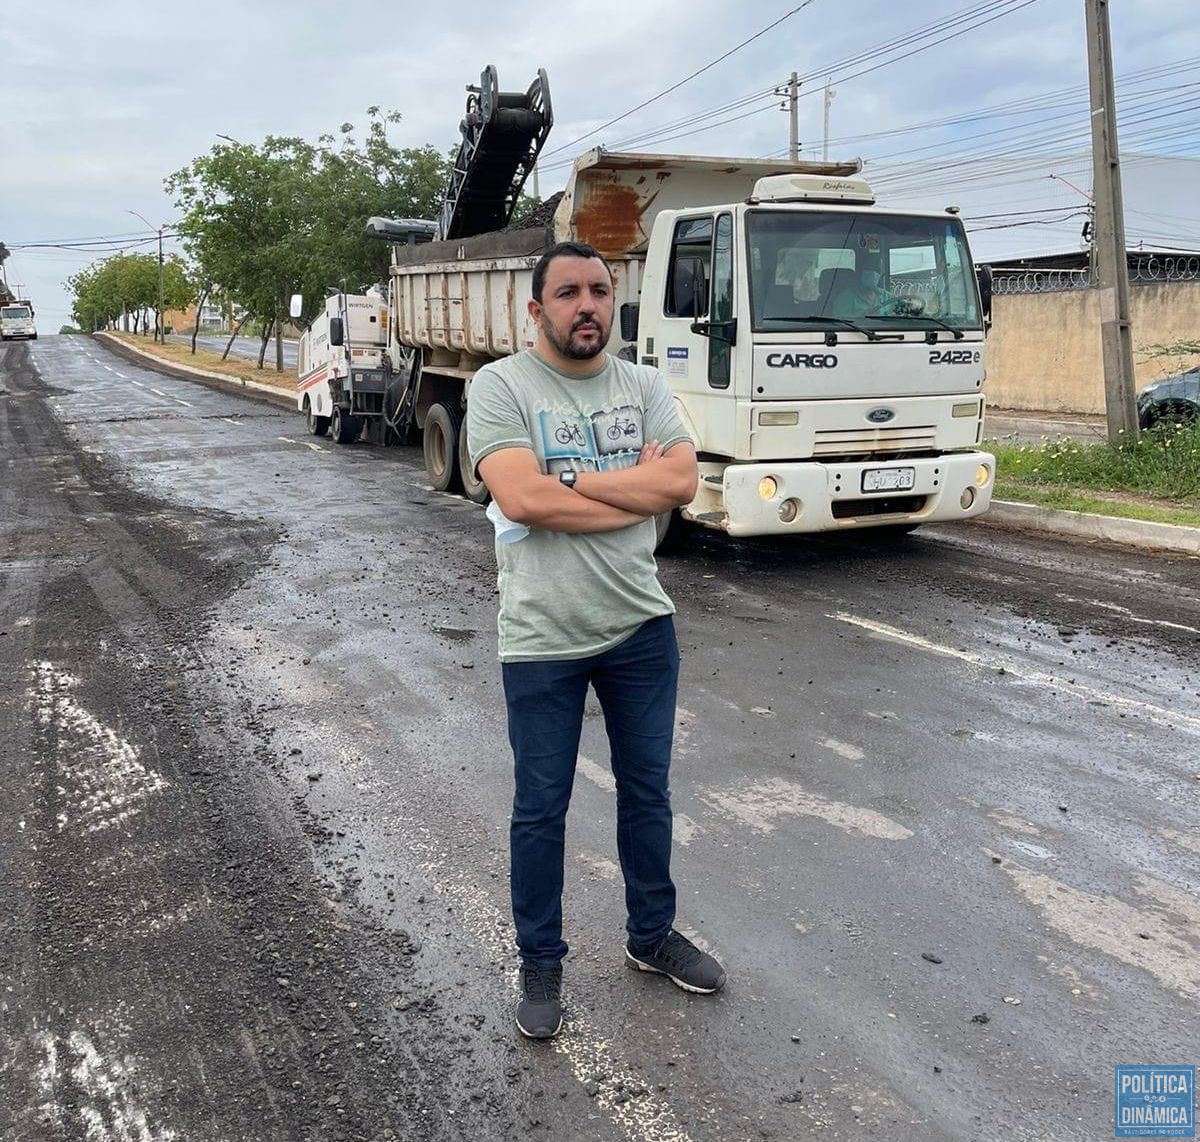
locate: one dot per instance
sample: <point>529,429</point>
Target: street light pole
<point>159,332</point>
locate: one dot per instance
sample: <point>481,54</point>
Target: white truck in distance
<point>340,367</point>
<point>744,281</point>
<point>16,321</point>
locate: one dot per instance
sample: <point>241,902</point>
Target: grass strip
<point>1156,477</point>
<point>181,354</point>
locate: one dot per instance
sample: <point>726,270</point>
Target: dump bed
<point>470,296</point>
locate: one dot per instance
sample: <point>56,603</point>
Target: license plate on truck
<point>889,479</point>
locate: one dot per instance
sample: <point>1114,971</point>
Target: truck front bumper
<point>805,496</point>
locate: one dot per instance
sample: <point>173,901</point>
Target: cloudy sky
<point>947,100</point>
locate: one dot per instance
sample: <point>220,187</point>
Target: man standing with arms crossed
<point>585,449</point>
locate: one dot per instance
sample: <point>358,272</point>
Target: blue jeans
<point>636,683</point>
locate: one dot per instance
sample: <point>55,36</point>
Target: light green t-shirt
<point>565,595</point>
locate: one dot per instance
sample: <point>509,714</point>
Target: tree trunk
<point>199,307</point>
<point>237,328</point>
<point>266,337</point>
<point>279,343</point>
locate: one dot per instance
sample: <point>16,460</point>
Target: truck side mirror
<point>335,331</point>
<point>297,306</point>
<point>629,320</point>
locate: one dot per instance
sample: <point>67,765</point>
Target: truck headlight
<point>982,475</point>
<point>768,487</point>
<point>967,498</point>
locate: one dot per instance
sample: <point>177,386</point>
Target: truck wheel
<point>317,425</point>
<point>473,488</point>
<point>345,426</point>
<point>442,424</point>
<point>670,532</point>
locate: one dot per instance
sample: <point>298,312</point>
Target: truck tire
<point>345,426</point>
<point>317,425</point>
<point>442,424</point>
<point>473,488</point>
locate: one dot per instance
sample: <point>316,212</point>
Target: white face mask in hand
<point>506,530</point>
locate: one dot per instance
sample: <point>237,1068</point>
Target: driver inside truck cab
<point>863,294</point>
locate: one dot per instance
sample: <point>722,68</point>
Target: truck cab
<point>826,354</point>
<point>16,321</point>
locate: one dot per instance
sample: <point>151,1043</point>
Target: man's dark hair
<point>561,250</point>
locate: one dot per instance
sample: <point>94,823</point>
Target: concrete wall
<point>1044,348</point>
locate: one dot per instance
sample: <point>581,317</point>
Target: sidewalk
<point>1017,516</point>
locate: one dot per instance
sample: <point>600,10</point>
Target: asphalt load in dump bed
<point>171,965</point>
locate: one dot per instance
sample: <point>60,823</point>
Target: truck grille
<point>872,441</point>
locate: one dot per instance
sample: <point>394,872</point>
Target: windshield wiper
<point>870,334</point>
<point>958,333</point>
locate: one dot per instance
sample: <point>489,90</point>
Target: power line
<point>686,79</point>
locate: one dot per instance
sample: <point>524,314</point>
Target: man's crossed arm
<point>600,501</point>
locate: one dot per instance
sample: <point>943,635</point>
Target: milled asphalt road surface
<point>938,811</point>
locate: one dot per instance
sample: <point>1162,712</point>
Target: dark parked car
<point>1171,399</point>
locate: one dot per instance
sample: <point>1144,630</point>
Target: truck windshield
<point>14,311</point>
<point>879,271</point>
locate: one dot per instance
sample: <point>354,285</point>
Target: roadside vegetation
<point>1155,478</point>
<point>261,221</point>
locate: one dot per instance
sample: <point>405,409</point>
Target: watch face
<point>568,478</point>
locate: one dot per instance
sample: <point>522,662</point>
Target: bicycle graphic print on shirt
<point>591,441</point>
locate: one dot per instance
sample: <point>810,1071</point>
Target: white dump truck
<point>826,352</point>
<point>342,365</point>
<point>16,321</point>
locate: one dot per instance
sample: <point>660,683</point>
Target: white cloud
<point>103,102</point>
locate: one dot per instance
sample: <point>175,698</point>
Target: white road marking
<point>120,374</point>
<point>843,749</point>
<point>100,770</point>
<point>601,865</point>
<point>685,830</point>
<point>158,392</point>
<point>761,804</point>
<point>230,420</point>
<point>596,774</point>
<point>1157,713</point>
<point>316,447</point>
<point>287,440</point>
<point>138,383</point>
<point>180,400</point>
<point>1125,612</point>
<point>1110,925</point>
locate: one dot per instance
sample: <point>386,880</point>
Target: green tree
<point>263,222</point>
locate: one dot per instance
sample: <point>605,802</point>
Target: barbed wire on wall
<point>1148,271</point>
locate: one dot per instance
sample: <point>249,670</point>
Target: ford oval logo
<point>880,415</point>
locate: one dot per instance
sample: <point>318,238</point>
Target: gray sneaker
<point>681,962</point>
<point>539,1014</point>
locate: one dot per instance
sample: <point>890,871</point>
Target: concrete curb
<point>191,373</point>
<point>1085,525</point>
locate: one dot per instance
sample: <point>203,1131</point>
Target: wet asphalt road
<point>938,810</point>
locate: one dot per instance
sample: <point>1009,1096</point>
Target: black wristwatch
<point>568,477</point>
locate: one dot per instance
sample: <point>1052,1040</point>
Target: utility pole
<point>794,118</point>
<point>1116,338</point>
<point>791,104</point>
<point>829,94</point>
<point>159,320</point>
